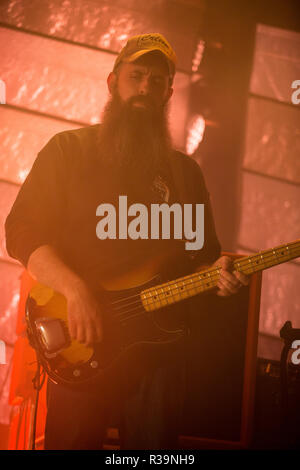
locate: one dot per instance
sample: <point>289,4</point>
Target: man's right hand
<point>83,315</point>
<point>46,266</point>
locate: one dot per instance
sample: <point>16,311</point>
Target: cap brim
<point>142,52</point>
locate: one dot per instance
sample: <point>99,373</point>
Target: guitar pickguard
<point>126,325</point>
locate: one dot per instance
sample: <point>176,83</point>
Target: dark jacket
<point>57,206</point>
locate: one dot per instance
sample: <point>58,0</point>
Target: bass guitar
<point>132,316</point>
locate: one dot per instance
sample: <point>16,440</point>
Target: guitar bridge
<point>52,335</point>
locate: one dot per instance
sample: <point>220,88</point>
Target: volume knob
<point>94,364</point>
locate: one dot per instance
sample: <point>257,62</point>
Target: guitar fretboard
<point>202,281</point>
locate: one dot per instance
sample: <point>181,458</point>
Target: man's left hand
<point>230,281</point>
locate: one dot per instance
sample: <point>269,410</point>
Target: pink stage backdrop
<point>55,57</point>
<point>270,212</point>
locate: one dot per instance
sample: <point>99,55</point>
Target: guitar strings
<point>137,296</point>
<point>192,285</point>
<point>190,278</point>
<point>139,310</point>
<point>187,288</point>
<point>139,305</point>
<point>244,261</point>
<point>143,310</point>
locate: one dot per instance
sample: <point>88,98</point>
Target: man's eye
<point>135,76</point>
<point>158,80</point>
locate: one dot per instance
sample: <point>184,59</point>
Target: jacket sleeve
<point>211,249</point>
<point>37,213</point>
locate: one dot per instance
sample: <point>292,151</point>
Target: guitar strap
<point>182,193</point>
<point>182,190</point>
<point>177,171</point>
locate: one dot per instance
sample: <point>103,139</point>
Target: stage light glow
<point>195,133</point>
<point>198,55</point>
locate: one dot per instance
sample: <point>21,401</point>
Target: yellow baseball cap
<point>136,46</point>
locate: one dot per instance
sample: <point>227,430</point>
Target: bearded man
<point>51,231</point>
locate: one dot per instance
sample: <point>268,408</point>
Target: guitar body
<point>126,326</point>
<point>136,310</point>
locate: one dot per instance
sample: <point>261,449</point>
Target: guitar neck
<point>202,281</point>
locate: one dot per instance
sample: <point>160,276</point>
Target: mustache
<point>141,99</point>
<point>140,108</point>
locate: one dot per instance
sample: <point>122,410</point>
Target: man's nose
<point>144,87</point>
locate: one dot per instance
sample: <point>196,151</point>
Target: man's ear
<point>111,81</point>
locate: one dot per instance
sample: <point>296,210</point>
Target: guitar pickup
<point>52,334</point>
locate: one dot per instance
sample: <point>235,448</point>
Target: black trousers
<point>145,404</point>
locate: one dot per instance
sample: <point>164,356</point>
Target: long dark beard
<point>134,140</point>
